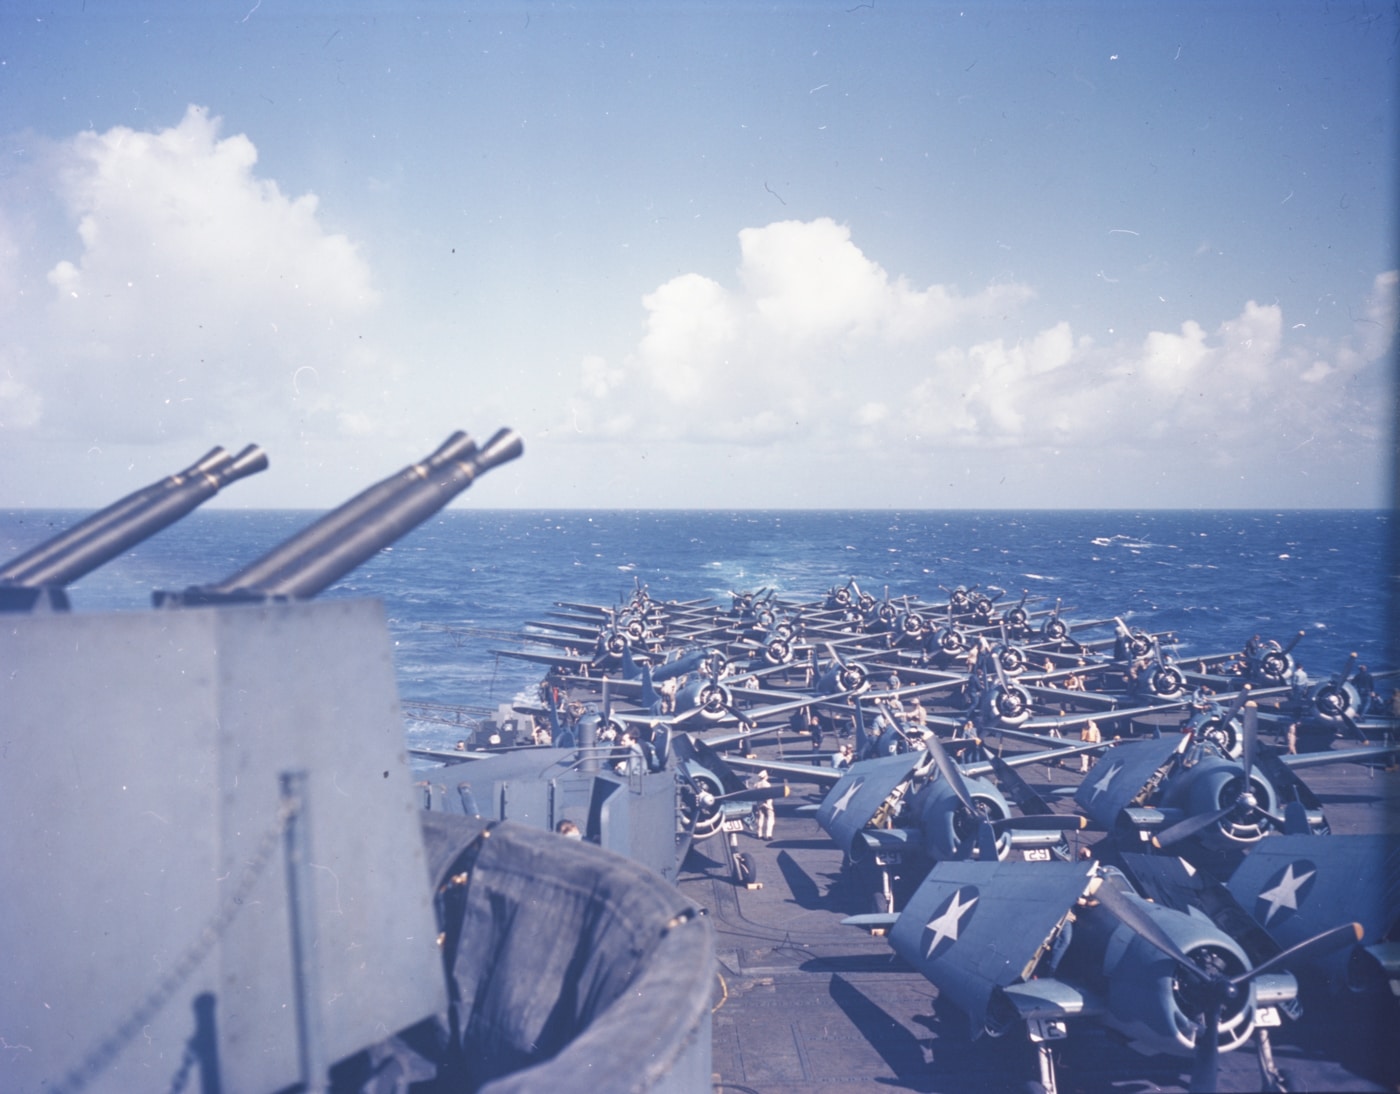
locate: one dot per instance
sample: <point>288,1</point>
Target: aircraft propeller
<point>1241,806</point>
<point>1054,627</point>
<point>989,829</point>
<point>1333,700</point>
<point>1213,990</point>
<point>1219,728</point>
<point>850,676</point>
<point>1017,618</point>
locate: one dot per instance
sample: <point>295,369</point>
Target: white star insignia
<point>1285,893</point>
<point>1103,783</point>
<point>839,806</point>
<point>946,925</point>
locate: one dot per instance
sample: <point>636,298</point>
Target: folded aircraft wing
<point>974,927</point>
<point>1120,775</point>
<point>863,788</point>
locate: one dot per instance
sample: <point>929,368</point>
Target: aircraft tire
<point>745,868</point>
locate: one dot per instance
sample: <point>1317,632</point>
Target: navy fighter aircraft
<point>1174,790</point>
<point>1295,885</point>
<point>899,813</point>
<point>1043,944</point>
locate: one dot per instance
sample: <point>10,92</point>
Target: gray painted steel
<point>140,788</point>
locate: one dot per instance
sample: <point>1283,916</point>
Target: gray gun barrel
<point>312,540</point>
<point>114,514</point>
<point>106,534</point>
<point>316,558</point>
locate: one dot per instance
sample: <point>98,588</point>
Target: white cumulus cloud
<point>194,294</point>
<point>815,346</point>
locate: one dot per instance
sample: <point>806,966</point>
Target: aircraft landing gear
<point>1043,1033</point>
<point>1270,1076</point>
<point>741,864</point>
<point>884,899</point>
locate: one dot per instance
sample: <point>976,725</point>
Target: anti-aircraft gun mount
<point>37,578</point>
<point>158,760</point>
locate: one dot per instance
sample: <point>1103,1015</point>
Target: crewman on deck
<point>1090,735</point>
<point>1365,685</point>
<point>764,813</point>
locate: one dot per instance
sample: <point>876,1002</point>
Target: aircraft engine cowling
<point>612,644</point>
<point>1012,659</point>
<point>1166,682</point>
<point>951,641</point>
<point>777,650</point>
<point>948,830</point>
<point>1273,667</point>
<point>852,676</point>
<point>1054,628</point>
<point>911,626</point>
<point>1332,702</point>
<point>708,699</point>
<point>1152,1000</point>
<point>1227,734</point>
<point>1135,645</point>
<point>1214,784</point>
<point>699,800</point>
<point>1008,705</point>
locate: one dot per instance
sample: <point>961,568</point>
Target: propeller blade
<point>757,794</point>
<point>1354,729</point>
<point>1133,916</point>
<point>1041,822</point>
<point>1187,828</point>
<point>986,842</point>
<point>1251,738</point>
<point>1338,936</point>
<point>949,770</point>
<point>1240,700</point>
<point>1206,1069</point>
<point>1020,790</point>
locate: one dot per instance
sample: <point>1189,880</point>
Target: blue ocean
<point>463,584</point>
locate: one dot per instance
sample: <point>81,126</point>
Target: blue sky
<point>909,255</point>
